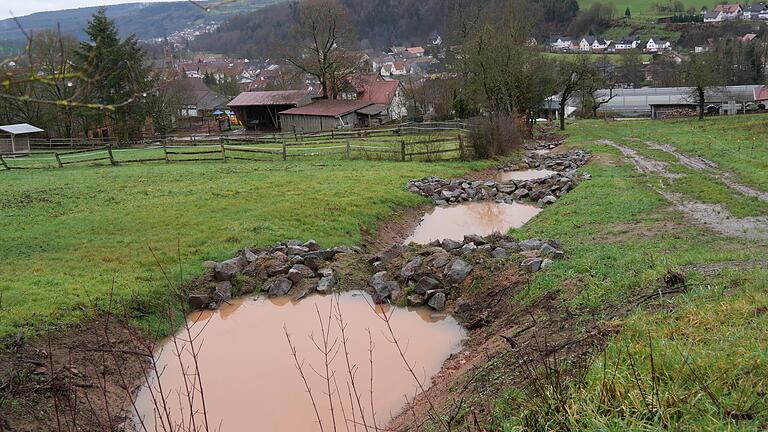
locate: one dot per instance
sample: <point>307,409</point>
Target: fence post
<point>58,159</point>
<point>461,147</point>
<point>2,161</point>
<point>347,152</point>
<point>402,150</point>
<point>165,151</point>
<point>111,157</point>
<point>223,151</point>
<point>285,151</point>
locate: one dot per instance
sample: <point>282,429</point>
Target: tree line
<point>104,83</point>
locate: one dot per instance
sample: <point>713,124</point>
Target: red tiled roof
<point>415,50</point>
<point>727,8</point>
<point>329,108</point>
<point>283,97</point>
<point>760,93</point>
<point>380,92</point>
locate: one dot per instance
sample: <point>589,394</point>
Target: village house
<point>560,42</point>
<point>754,11</point>
<point>656,45</point>
<point>387,96</point>
<point>592,43</point>
<point>416,51</point>
<point>627,43</point>
<point>714,16</point>
<point>198,101</point>
<point>730,11</point>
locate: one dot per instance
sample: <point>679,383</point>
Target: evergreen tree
<point>627,14</point>
<point>209,79</point>
<point>116,76</point>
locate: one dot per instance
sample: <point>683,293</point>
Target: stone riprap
<point>542,190</point>
<point>417,275</point>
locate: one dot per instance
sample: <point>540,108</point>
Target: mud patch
<point>700,164</point>
<point>481,218</point>
<point>643,164</point>
<point>715,268</point>
<point>250,379</point>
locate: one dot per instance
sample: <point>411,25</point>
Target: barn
<point>322,115</point>
<point>259,109</point>
<point>14,139</point>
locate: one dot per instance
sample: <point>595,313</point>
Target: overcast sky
<point>26,7</point>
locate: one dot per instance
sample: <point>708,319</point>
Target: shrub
<point>494,135</point>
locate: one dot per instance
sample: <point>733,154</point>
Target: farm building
<point>327,114</point>
<point>259,109</point>
<point>14,139</point>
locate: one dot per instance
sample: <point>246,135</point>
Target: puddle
<point>250,379</point>
<point>483,218</point>
<point>541,152</point>
<point>524,175</point>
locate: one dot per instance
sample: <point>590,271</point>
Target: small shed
<point>15,138</point>
<point>259,109</point>
<point>322,115</point>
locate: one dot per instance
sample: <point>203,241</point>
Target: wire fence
<point>419,142</point>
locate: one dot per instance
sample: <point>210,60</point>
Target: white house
<point>657,45</point>
<point>560,43</point>
<point>714,16</point>
<point>627,43</point>
<point>591,43</point>
<point>753,11</point>
<point>730,11</point>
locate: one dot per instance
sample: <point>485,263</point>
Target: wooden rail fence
<point>344,145</point>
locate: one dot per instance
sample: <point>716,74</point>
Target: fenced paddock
<point>408,142</point>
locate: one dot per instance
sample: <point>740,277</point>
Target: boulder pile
<point>561,162</point>
<point>288,266</point>
<point>543,190</point>
<point>415,275</point>
<point>544,144</point>
<point>426,274</point>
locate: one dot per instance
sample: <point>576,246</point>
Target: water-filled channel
<point>250,380</point>
<point>524,174</point>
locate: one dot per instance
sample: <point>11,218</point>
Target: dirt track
<point>712,216</point>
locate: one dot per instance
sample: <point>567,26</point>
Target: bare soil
<point>712,216</point>
<point>75,379</point>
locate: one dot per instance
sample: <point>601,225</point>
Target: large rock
<point>199,301</point>
<point>410,269</point>
<point>499,253</point>
<point>531,244</point>
<point>327,280</point>
<point>438,260</point>
<point>312,262</point>
<point>457,271</point>
<point>531,265</point>
<point>475,239</point>
<point>222,292</point>
<point>414,300</point>
<point>279,268</point>
<point>278,287</point>
<point>325,254</point>
<point>311,245</point>
<point>382,287</point>
<point>437,301</point>
<point>226,270</point>
<point>426,284</point>
<point>299,272</point>
<point>450,244</point>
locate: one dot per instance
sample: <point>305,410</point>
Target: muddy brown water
<point>250,379</point>
<point>524,174</point>
<point>483,218</point>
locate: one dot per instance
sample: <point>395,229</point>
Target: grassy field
<point>69,232</point>
<point>638,7</point>
<point>697,361</point>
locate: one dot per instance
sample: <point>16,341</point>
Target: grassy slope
<point>67,233</point>
<point>641,6</point>
<point>622,237</point>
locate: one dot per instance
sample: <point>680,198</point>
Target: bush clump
<point>494,135</point>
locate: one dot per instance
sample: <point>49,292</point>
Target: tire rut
<point>712,216</point>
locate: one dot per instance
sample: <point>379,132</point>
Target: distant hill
<point>145,20</point>
<point>379,24</point>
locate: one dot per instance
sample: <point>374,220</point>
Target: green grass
<point>594,57</point>
<point>638,7</point>
<point>68,232</point>
<point>710,353</point>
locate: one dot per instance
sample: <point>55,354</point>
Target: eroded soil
<point>712,216</point>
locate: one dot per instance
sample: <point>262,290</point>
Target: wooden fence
<point>398,144</point>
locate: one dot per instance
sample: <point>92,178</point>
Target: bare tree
<point>700,71</point>
<point>572,76</point>
<point>321,44</point>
